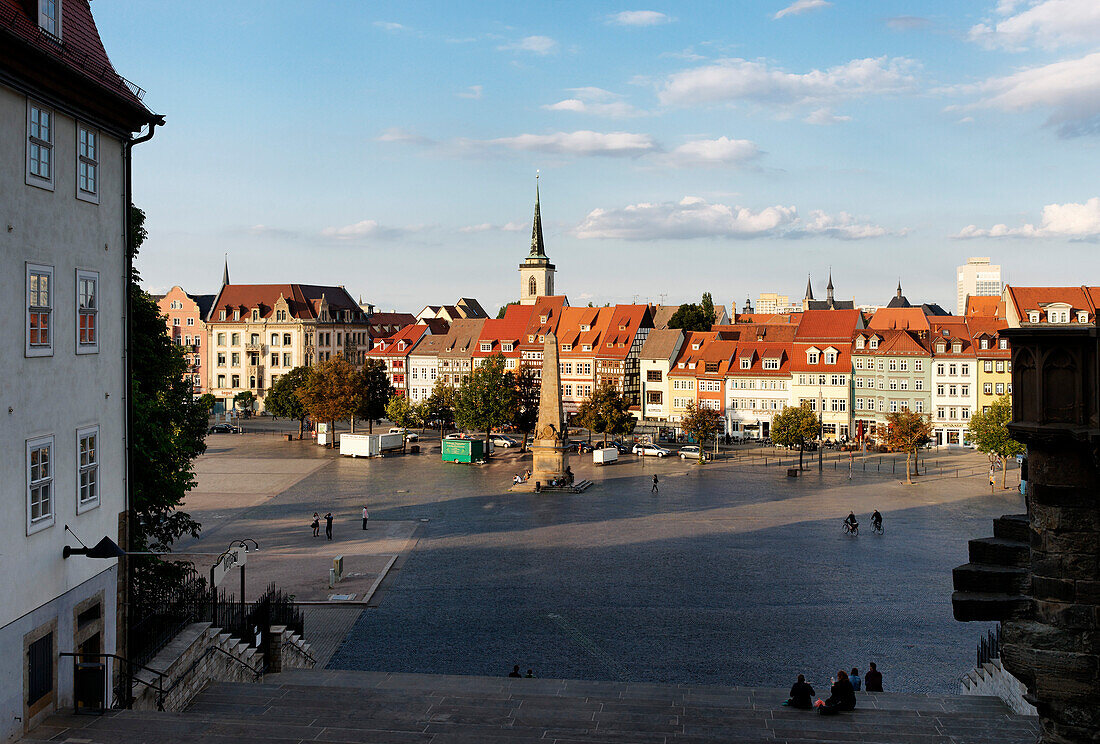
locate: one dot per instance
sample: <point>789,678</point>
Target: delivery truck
<point>604,456</point>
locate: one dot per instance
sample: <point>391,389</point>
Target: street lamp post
<point>820,429</point>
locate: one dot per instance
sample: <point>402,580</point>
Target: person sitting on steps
<point>842,697</point>
<point>802,694</point>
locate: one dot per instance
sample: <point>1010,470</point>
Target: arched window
<point>532,287</point>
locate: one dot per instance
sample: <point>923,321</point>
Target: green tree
<point>989,430</point>
<point>525,415</point>
<point>282,399</point>
<point>373,392</point>
<point>207,401</point>
<point>330,392</point>
<point>168,431</point>
<point>707,306</point>
<point>400,412</point>
<point>606,412</point>
<point>244,401</point>
<point>906,431</point>
<point>441,405</point>
<point>422,411</point>
<point>702,424</point>
<point>793,427</point>
<point>689,317</point>
<point>486,398</point>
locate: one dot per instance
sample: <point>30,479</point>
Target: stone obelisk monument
<point>550,458</point>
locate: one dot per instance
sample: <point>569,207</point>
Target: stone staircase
<point>994,584</point>
<point>364,707</point>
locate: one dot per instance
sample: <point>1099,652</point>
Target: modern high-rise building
<point>977,278</point>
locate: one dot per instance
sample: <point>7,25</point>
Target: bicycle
<point>851,529</point>
<point>876,528</point>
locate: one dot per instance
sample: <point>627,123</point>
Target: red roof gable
<point>400,343</point>
<point>303,300</point>
<point>899,318</point>
<point>828,325</point>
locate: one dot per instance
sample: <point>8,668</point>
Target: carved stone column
<point>1052,629</point>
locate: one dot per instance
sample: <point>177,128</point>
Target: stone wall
<point>992,679</point>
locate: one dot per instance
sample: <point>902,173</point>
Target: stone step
<point>980,577</point>
<point>970,606</point>
<point>364,707</point>
<point>1013,527</point>
<point>996,551</point>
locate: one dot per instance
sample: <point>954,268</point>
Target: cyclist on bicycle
<point>876,520</point>
<point>850,522</point>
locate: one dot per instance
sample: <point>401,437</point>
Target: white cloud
<point>474,92</point>
<point>595,101</point>
<point>1069,90</point>
<point>1046,23</point>
<point>823,116</point>
<point>535,44</point>
<point>582,142</point>
<point>731,80</point>
<point>366,229</point>
<point>403,136</point>
<point>716,152</point>
<point>1072,220</point>
<point>389,26</point>
<point>638,18</point>
<point>801,6</point>
<point>489,227</point>
<point>694,217</point>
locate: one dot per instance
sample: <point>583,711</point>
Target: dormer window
<point>813,357</point>
<point>255,314</point>
<point>542,318</point>
<point>1033,316</point>
<point>874,342</point>
<point>830,357</point>
<point>622,328</point>
<point>1082,317</point>
<point>586,328</point>
<point>221,316</point>
<point>956,347</point>
<point>680,365</point>
<point>236,315</point>
<point>531,338</point>
<point>859,342</point>
<point>586,347</point>
<point>771,364</point>
<point>610,344</point>
<point>746,362</point>
<point>486,345</point>
<point>506,347</point>
<point>946,333</point>
<point>49,16</point>
<point>1002,343</point>
<point>567,347</point>
<point>983,343</point>
<point>940,348</point>
<point>695,346</point>
<point>1058,316</point>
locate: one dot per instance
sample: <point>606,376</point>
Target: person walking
<point>328,525</point>
<point>873,679</point>
<point>365,517</point>
<point>992,480</point>
<point>655,489</point>
<point>316,524</point>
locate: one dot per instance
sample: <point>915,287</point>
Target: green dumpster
<point>463,450</point>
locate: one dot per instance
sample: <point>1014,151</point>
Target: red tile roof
<point>549,307</point>
<point>303,300</point>
<point>1081,298</point>
<point>399,344</point>
<point>79,50</point>
<point>894,342</point>
<point>819,325</point>
<point>692,352</point>
<point>510,328</point>
<point>758,352</point>
<point>989,307</point>
<point>899,318</point>
<point>622,327</point>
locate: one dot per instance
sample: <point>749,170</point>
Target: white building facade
<point>65,142</point>
<point>976,278</point>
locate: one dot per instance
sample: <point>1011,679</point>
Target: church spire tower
<point>829,289</point>
<point>536,273</point>
<point>225,274</point>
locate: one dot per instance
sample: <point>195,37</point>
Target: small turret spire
<point>538,247</point>
<point>899,287</point>
<point>225,274</point>
<point>809,289</point>
<point>829,289</point>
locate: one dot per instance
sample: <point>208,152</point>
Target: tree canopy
<point>282,399</point>
<point>606,412</point>
<point>689,317</point>
<point>441,405</point>
<point>486,398</point>
<point>701,424</point>
<point>400,412</point>
<point>794,426</point>
<point>989,431</point>
<point>905,432</point>
<point>245,400</point>
<point>372,392</point>
<point>329,392</point>
<point>168,433</point>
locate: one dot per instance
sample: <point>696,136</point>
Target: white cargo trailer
<point>604,456</point>
<point>370,445</point>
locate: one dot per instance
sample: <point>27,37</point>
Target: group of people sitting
<point>517,478</point>
<point>842,695</point>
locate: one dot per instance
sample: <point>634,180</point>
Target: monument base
<point>549,460</point>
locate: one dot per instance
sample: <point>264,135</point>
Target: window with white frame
<point>999,366</point>
<point>918,384</point>
<point>771,364</point>
<point>87,467</point>
<point>87,164</point>
<point>1002,343</point>
<point>39,310</point>
<point>874,342</point>
<point>49,16</point>
<point>486,345</point>
<point>918,365</point>
<point>39,484</point>
<point>812,357</point>
<point>746,363</point>
<point>918,405</point>
<point>893,366</point>
<point>40,135</point>
<point>830,357</point>
<point>1082,317</point>
<point>1033,316</point>
<point>87,312</point>
<point>903,365</point>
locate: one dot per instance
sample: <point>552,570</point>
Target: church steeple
<point>225,274</point>
<point>809,289</point>
<point>829,289</point>
<point>899,287</point>
<point>538,248</point>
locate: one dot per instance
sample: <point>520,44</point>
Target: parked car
<point>412,436</point>
<point>221,429</point>
<point>691,452</point>
<point>584,447</point>
<point>623,447</point>
<point>651,450</point>
<point>397,430</point>
<point>499,440</point>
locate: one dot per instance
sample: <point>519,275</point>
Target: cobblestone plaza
<point>732,574</point>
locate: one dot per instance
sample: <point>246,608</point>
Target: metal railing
<point>124,690</point>
<point>989,647</point>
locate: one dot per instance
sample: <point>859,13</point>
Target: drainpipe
<point>127,381</point>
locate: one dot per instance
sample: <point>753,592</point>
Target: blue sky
<point>730,147</point>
